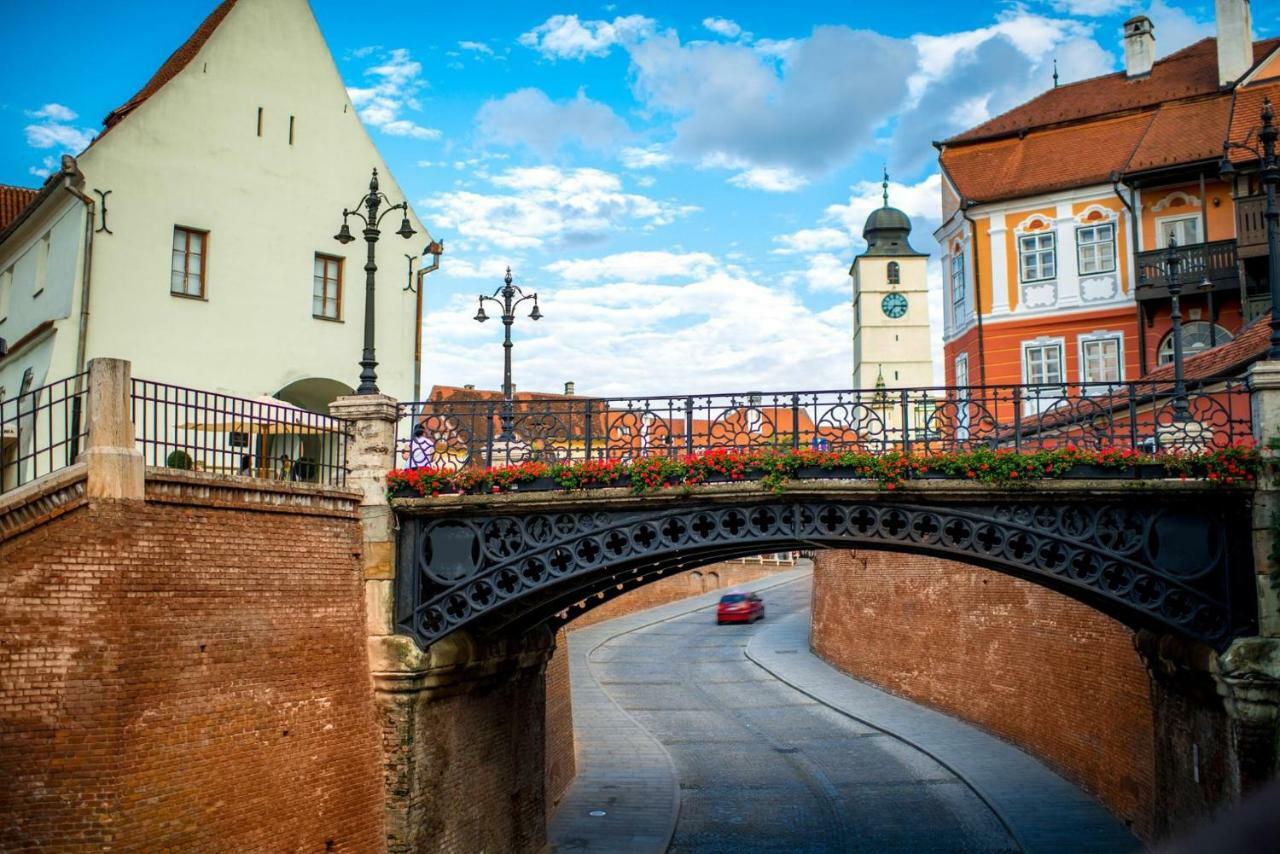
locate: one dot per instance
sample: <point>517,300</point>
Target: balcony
<point>1214,262</point>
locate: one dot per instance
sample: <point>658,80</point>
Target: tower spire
<point>885,186</point>
<point>1055,73</point>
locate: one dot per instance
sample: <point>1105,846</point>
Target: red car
<point>739,608</point>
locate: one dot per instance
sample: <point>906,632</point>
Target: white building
<point>212,263</point>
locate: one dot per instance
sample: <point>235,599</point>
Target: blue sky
<point>683,183</point>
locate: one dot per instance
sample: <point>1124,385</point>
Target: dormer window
<point>895,273</point>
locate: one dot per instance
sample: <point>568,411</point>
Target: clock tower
<point>891,347</point>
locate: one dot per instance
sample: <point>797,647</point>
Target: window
<point>957,284</point>
<point>962,397</point>
<point>1042,364</point>
<point>1184,229</point>
<point>326,293</point>
<point>1036,252</point>
<point>42,265</point>
<point>1196,336</point>
<point>187,272</point>
<point>1101,361</point>
<point>895,273</point>
<point>1096,248</point>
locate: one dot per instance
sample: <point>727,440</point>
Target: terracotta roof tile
<point>1191,72</point>
<point>177,61</point>
<point>1246,112</point>
<point>12,201</point>
<point>1183,133</point>
<point>1046,160</point>
<point>1225,360</point>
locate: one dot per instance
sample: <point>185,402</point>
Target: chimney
<point>470,386</point>
<point>1139,46</point>
<point>1235,39</point>
<point>568,389</point>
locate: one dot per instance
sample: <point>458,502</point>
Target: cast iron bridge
<point>1162,554</point>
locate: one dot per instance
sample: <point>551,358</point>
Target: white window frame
<point>1080,246</point>
<point>962,398</point>
<point>1044,398</point>
<point>1162,228</point>
<point>1098,337</point>
<point>958,295</point>
<point>1023,254</point>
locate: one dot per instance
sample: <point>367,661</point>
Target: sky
<point>683,184</point>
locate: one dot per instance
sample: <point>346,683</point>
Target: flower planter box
<point>404,490</point>
<point>720,477</point>
<point>822,473</point>
<point>1089,471</point>
<point>538,484</point>
<point>931,475</point>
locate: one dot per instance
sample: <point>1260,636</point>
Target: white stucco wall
<point>900,345</point>
<point>191,155</point>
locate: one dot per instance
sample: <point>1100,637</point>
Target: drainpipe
<point>1133,271</point>
<point>965,204</point>
<point>72,181</point>
<point>435,249</point>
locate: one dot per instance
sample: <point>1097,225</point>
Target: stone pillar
<point>1248,676</point>
<point>115,465</point>
<point>1264,383</point>
<point>462,721</point>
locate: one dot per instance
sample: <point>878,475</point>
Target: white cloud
<point>528,117</point>
<point>635,266</point>
<point>809,240</point>
<point>827,273</point>
<point>566,37</point>
<point>1174,28</point>
<point>921,202</point>
<point>649,157</point>
<point>769,179</point>
<point>397,80</point>
<point>1090,8</point>
<point>476,47</point>
<point>545,205</point>
<point>625,324</point>
<point>46,167</point>
<point>807,114</point>
<point>54,130</point>
<point>723,27</point>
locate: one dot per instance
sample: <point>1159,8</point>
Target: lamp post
<point>512,296</point>
<point>435,249</point>
<point>1270,175</point>
<point>1171,261</point>
<point>371,202</point>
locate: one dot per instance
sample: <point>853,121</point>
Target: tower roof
<point>887,229</point>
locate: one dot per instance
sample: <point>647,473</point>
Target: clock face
<point>894,305</point>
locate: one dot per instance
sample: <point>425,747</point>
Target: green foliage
<point>179,460</point>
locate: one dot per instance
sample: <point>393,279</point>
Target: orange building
<point>1058,214</point>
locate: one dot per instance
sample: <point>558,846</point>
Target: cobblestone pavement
<point>674,720</point>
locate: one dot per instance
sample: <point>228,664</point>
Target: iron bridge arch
<point>1175,563</point>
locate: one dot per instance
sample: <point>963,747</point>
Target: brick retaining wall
<point>1049,674</point>
<point>189,675</point>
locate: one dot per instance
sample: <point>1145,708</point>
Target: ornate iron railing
<point>1213,262</point>
<point>185,428</point>
<point>1148,416</point>
<point>41,430</point>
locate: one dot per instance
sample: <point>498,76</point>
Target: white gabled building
<point>212,263</point>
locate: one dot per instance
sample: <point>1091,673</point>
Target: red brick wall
<point>188,678</point>
<point>1028,664</point>
<point>561,759</point>
<point>560,748</point>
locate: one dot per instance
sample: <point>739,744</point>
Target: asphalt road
<point>763,767</point>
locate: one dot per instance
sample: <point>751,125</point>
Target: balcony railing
<point>186,428</point>
<point>1145,416</point>
<point>1198,263</point>
<point>41,430</point>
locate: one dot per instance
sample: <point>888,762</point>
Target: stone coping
<point>178,486</point>
<point>864,489</point>
<point>42,500</point>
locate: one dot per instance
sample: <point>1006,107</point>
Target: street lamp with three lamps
<point>512,296</point>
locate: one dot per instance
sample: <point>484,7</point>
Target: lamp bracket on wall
<point>102,196</point>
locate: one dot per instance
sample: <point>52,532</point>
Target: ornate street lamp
<point>1270,175</point>
<point>371,219</point>
<point>512,296</point>
<point>1171,261</point>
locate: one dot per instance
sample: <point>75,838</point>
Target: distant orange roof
<point>1225,360</point>
<point>177,61</point>
<point>1189,73</point>
<point>12,201</point>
